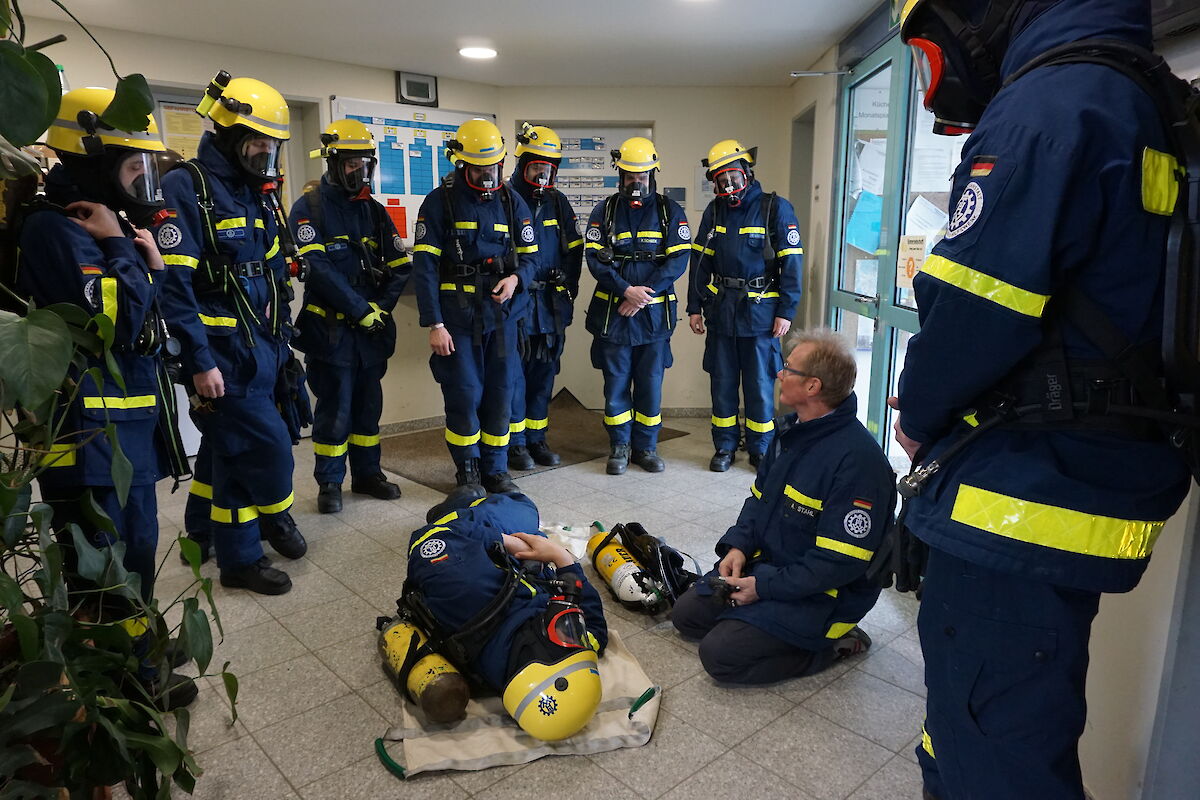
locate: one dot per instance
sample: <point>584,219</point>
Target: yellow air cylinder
<point>616,566</point>
<point>433,683</point>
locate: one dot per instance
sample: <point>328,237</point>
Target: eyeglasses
<point>796,372</point>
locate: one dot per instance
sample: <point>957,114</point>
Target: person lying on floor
<point>529,625</point>
<point>786,596</point>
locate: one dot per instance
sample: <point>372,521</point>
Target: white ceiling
<point>540,42</point>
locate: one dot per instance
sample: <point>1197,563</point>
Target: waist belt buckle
<point>250,269</point>
<point>733,283</point>
<point>1101,393</point>
<point>758,283</point>
<point>465,271</point>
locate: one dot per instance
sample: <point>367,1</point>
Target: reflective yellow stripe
<point>593,246</point>
<point>831,592</point>
<point>619,419</point>
<point>462,441</point>
<point>1160,182</point>
<point>724,422</point>
<point>310,248</point>
<point>399,262</point>
<point>761,295</point>
<point>226,515</point>
<point>719,228</point>
<point>219,322</point>
<point>453,515</point>
<point>199,489</point>
<point>549,223</point>
<point>136,627</point>
<point>516,427</point>
<point>428,248</point>
<point>343,237</point>
<point>754,490</point>
<point>533,248</point>
<point>500,227</point>
<point>1051,526</point>
<point>258,223</point>
<point>137,401</point>
<point>620,237</point>
<point>467,226</point>
<point>274,251</point>
<point>794,494</point>
<point>364,439</point>
<point>649,234</point>
<point>844,548</point>
<point>653,300</point>
<point>320,312</point>
<point>971,420</point>
<point>494,441</point>
<point>108,298</point>
<point>642,419</point>
<point>760,427</point>
<point>677,247</point>
<point>603,295</point>
<point>60,455</point>
<point>231,223</point>
<point>181,261</point>
<point>476,502</point>
<point>927,742</point>
<point>711,288</point>
<point>572,245</point>
<point>453,287</point>
<point>790,251</point>
<point>330,450</point>
<point>983,285</point>
<point>428,533</point>
<point>753,229</point>
<point>537,424</point>
<point>839,629</point>
<point>282,505</point>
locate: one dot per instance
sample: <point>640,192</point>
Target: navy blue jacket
<point>449,561</point>
<point>553,221</point>
<point>1049,191</point>
<point>636,230</point>
<point>60,262</point>
<point>338,248</point>
<point>482,229</point>
<point>730,242</point>
<point>818,508</point>
<point>206,322</point>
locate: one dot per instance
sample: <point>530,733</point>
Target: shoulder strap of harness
<point>770,259</point>
<point>316,214</point>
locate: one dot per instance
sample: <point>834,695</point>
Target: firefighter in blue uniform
<point>744,286</point>
<point>1064,184</point>
<point>475,249</point>
<point>794,565</point>
<point>225,298</point>
<point>548,305</point>
<point>637,245</point>
<point>459,564</point>
<point>357,270</point>
<point>75,249</point>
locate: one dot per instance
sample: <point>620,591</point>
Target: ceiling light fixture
<point>477,52</point>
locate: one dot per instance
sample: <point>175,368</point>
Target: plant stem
<point>67,11</point>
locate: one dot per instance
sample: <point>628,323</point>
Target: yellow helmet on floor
<point>555,701</point>
<point>727,151</point>
<point>478,142</point>
<point>539,140</point>
<point>636,155</point>
<point>247,102</point>
<point>344,136</point>
<point>67,133</point>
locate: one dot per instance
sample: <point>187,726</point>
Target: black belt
<point>761,282</point>
<point>249,269</point>
<point>537,286</point>
<point>640,255</point>
<point>490,267</point>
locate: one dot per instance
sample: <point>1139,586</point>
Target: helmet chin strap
<point>363,194</point>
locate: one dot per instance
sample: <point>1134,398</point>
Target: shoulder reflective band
<point>180,261</point>
<point>309,248</point>
<point>790,251</point>
<point>437,529</point>
<point>675,248</point>
<point>108,298</point>
<point>1051,526</point>
<point>983,285</point>
<point>794,494</point>
<point>428,248</point>
<point>138,401</point>
<point>844,548</point>
<point>533,248</point>
<point>1160,182</point>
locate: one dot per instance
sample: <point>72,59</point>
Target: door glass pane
<point>866,153</point>
<point>859,334</point>
<point>931,163</point>
<point>896,454</point>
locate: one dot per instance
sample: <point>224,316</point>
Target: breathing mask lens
<point>260,155</point>
<point>137,178</point>
<point>540,175</point>
<point>566,628</point>
<point>636,186</point>
<point>930,64</point>
<point>483,179</point>
<point>729,182</point>
<point>357,173</point>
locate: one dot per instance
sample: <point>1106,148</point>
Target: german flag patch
<point>982,166</point>
<point>91,269</point>
<point>865,505</point>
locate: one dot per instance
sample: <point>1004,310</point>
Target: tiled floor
<point>314,698</point>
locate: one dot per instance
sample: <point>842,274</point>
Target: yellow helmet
<point>478,142</point>
<point>554,701</point>
<point>636,155</point>
<point>345,135</point>
<point>247,102</point>
<point>67,133</point>
<point>726,152</point>
<point>539,140</point>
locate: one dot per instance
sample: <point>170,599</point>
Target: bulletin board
<point>410,141</point>
<point>586,175</point>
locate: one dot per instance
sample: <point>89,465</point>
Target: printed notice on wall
<point>909,257</point>
<point>182,128</point>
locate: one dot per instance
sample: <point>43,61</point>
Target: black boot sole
<point>232,582</point>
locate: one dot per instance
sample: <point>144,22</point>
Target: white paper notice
<point>925,219</point>
<point>909,258</point>
<point>871,162</point>
<point>931,169</point>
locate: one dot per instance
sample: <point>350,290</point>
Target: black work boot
<point>499,483</point>
<point>519,458</point>
<point>205,544</point>
<point>756,459</point>
<point>720,461</point>
<point>854,642</point>
<point>460,497</point>
<point>258,576</point>
<point>618,459</point>
<point>648,460</point>
<point>329,498</point>
<point>543,455</point>
<point>377,485</point>
<point>281,531</point>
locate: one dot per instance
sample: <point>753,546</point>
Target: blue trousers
<point>633,376</point>
<point>243,470</point>
<point>476,381</point>
<point>753,362</point>
<point>346,418</point>
<point>533,387</point>
<point>1006,661</point>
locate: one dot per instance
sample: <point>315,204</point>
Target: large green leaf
<point>164,752</point>
<point>35,351</point>
<point>230,682</point>
<point>48,73</point>
<point>131,106</point>
<point>5,19</point>
<point>121,469</point>
<point>16,506</point>
<point>23,96</point>
<point>90,562</point>
<point>195,635</point>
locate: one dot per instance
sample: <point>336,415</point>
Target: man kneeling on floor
<point>790,587</point>
<point>529,631</point>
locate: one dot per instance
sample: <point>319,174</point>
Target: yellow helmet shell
<point>637,155</point>
<point>349,135</point>
<point>727,151</point>
<point>906,11</point>
<point>542,141</point>
<point>478,142</point>
<point>543,710</point>
<point>268,112</point>
<point>66,135</point>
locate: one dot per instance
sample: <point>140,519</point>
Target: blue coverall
<point>244,466</point>
<point>741,283</point>
<point>343,242</point>
<point>456,263</point>
<point>634,352</point>
<point>1028,527</point>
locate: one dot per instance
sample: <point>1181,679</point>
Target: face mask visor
<point>540,175</point>
<point>729,183</point>
<point>636,187</point>
<point>567,629</point>
<point>483,179</point>
<point>261,156</point>
<point>355,173</point>
<point>135,174</point>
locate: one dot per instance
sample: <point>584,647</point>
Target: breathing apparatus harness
<point>662,575</point>
<point>607,256</point>
<point>761,283</point>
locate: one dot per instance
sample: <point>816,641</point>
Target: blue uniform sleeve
<point>1023,206</point>
<point>524,240</point>
<point>430,237</point>
<point>702,256</point>
<point>607,278</point>
<point>678,245</point>
<point>397,263</point>
<point>180,240</point>
<point>789,258</point>
<point>326,283</point>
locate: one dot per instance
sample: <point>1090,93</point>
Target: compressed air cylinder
<point>617,567</point>
<point>433,683</point>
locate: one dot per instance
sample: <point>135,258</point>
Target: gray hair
<point>830,360</point>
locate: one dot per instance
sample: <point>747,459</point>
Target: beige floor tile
<point>210,721</point>
<point>554,776</point>
<point>250,649</point>
<point>872,708</point>
<point>893,612</point>
<point>384,697</point>
<point>323,625</point>
<point>800,689</point>
<point>898,778</point>
<point>285,690</point>
<point>676,751</point>
<point>238,770</point>
<point>356,661</point>
<point>368,780</point>
<point>666,663</point>
<point>899,662</point>
<point>480,782</point>
<point>727,714</point>
<point>734,776</point>
<point>314,589</point>
<point>322,740</point>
